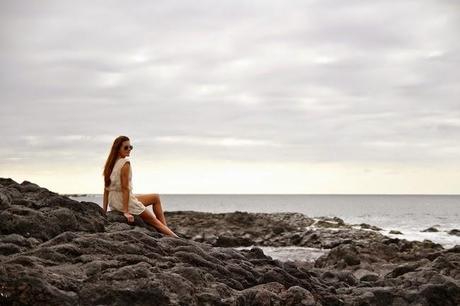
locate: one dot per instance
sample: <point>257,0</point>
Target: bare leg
<point>148,217</point>
<point>158,210</point>
<point>154,200</point>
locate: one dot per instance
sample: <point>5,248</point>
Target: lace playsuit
<point>135,206</point>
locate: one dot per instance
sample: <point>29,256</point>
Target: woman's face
<point>125,148</point>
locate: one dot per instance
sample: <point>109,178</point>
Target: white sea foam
<point>442,237</point>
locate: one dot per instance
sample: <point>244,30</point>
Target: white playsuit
<point>135,206</point>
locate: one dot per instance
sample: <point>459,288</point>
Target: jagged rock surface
<point>56,251</point>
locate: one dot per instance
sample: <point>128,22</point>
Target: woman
<point>118,189</point>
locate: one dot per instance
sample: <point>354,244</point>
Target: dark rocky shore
<point>57,251</point>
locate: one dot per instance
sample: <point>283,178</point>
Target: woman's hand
<point>129,216</point>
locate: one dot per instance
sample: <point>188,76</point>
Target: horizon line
<point>307,194</point>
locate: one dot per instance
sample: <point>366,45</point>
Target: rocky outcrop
<point>56,251</point>
<point>265,229</point>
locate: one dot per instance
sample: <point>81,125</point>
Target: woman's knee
<point>153,198</point>
<point>150,218</point>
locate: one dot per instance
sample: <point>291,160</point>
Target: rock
<point>394,232</point>
<point>455,232</point>
<point>447,294</point>
<point>372,227</point>
<point>227,229</point>
<point>431,229</point>
<point>327,224</point>
<point>44,222</point>
<point>340,257</point>
<point>403,269</point>
<point>340,278</point>
<point>365,275</point>
<point>56,251</point>
<point>224,241</point>
<point>297,295</point>
<point>454,249</point>
<point>330,222</point>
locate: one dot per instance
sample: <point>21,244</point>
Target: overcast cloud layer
<point>304,81</point>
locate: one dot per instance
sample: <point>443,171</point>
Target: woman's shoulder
<point>123,161</point>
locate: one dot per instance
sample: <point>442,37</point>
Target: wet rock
<point>368,226</point>
<point>430,229</point>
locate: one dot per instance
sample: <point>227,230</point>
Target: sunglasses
<point>128,147</point>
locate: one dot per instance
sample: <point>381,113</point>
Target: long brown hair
<point>113,155</point>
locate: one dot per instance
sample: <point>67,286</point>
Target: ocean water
<point>409,214</point>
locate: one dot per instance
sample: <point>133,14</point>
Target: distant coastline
<point>74,194</point>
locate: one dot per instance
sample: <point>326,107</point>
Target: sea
<point>409,214</point>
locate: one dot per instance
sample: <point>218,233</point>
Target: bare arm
<point>106,199</point>
<point>124,175</point>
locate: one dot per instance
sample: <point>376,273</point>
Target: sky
<point>252,97</point>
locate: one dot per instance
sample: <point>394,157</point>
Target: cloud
<point>304,81</point>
